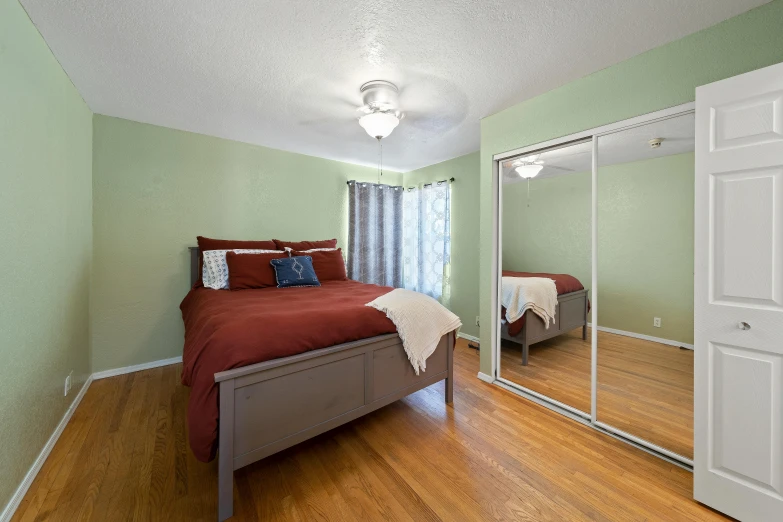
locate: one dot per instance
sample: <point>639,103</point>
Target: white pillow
<point>214,270</point>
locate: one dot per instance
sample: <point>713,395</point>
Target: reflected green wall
<point>645,240</point>
<point>155,189</point>
<point>553,234</point>
<point>45,210</point>
<point>464,232</point>
<point>660,78</point>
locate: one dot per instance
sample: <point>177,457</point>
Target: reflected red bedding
<point>565,285</point>
<point>229,329</point>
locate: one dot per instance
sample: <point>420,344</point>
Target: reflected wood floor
<point>644,388</point>
<point>490,456</point>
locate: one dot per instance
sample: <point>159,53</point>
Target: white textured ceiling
<point>286,73</point>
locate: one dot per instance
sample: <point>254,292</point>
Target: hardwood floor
<point>490,456</point>
<point>644,388</point>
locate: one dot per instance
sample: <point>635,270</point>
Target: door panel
<point>738,296</point>
<point>751,121</point>
<point>747,209</point>
<point>746,391</point>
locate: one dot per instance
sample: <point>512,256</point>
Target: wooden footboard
<point>571,312</point>
<point>270,406</point>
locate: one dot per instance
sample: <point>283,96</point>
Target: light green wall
<point>553,234</point>
<point>645,240</point>
<point>464,232</point>
<point>660,78</point>
<point>45,211</point>
<point>155,189</point>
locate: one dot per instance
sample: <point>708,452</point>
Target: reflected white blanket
<point>420,320</point>
<point>521,294</point>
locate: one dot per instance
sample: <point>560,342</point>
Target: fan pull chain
<point>380,160</point>
<point>528,192</point>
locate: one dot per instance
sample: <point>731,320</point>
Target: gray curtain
<point>375,233</point>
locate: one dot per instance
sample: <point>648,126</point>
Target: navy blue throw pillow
<point>295,271</point>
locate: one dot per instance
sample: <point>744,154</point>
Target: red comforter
<point>565,285</point>
<point>225,330</point>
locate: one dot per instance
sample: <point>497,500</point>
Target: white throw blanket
<point>521,294</point>
<point>420,320</point>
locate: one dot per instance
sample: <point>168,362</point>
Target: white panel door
<point>738,446</point>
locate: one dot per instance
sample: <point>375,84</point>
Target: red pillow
<point>329,265</point>
<point>305,245</point>
<point>251,270</point>
<point>205,243</point>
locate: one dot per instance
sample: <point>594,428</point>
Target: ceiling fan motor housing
<point>380,95</point>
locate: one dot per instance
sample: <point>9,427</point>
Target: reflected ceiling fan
<point>529,167</point>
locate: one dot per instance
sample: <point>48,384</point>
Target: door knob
<point>744,326</point>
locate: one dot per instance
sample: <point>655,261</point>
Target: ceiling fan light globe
<point>529,171</point>
<point>379,124</point>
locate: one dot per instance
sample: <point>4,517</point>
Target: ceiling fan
<point>430,106</point>
<point>380,107</point>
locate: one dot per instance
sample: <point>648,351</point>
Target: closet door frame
<point>587,418</point>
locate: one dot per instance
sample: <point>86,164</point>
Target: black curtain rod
<point>426,184</point>
<point>439,182</point>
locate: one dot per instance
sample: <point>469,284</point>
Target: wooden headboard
<point>193,265</point>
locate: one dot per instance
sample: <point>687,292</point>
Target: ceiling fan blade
<point>558,168</point>
<point>429,122</point>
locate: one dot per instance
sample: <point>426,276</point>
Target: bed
<point>573,305</point>
<point>269,396</point>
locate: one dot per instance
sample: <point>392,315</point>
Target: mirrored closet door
<point>595,278</point>
<point>645,198</point>
<point>546,248</point>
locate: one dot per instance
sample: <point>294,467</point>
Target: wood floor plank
<point>644,388</point>
<point>60,462</point>
<point>490,456</point>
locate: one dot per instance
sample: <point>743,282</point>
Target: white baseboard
<point>486,378</point>
<point>135,368</point>
<point>468,337</point>
<point>643,336</point>
<point>21,491</point>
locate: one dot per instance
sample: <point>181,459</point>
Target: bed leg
<point>450,363</point>
<point>226,451</point>
<point>584,326</point>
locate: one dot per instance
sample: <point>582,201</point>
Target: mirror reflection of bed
<point>546,246</point>
<point>644,223</point>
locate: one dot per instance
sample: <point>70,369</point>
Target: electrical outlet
<point>477,320</point>
<point>657,322</point>
<point>68,383</point>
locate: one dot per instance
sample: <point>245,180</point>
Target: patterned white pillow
<point>214,270</point>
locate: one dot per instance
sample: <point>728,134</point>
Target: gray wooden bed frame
<point>571,312</point>
<point>270,406</point>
